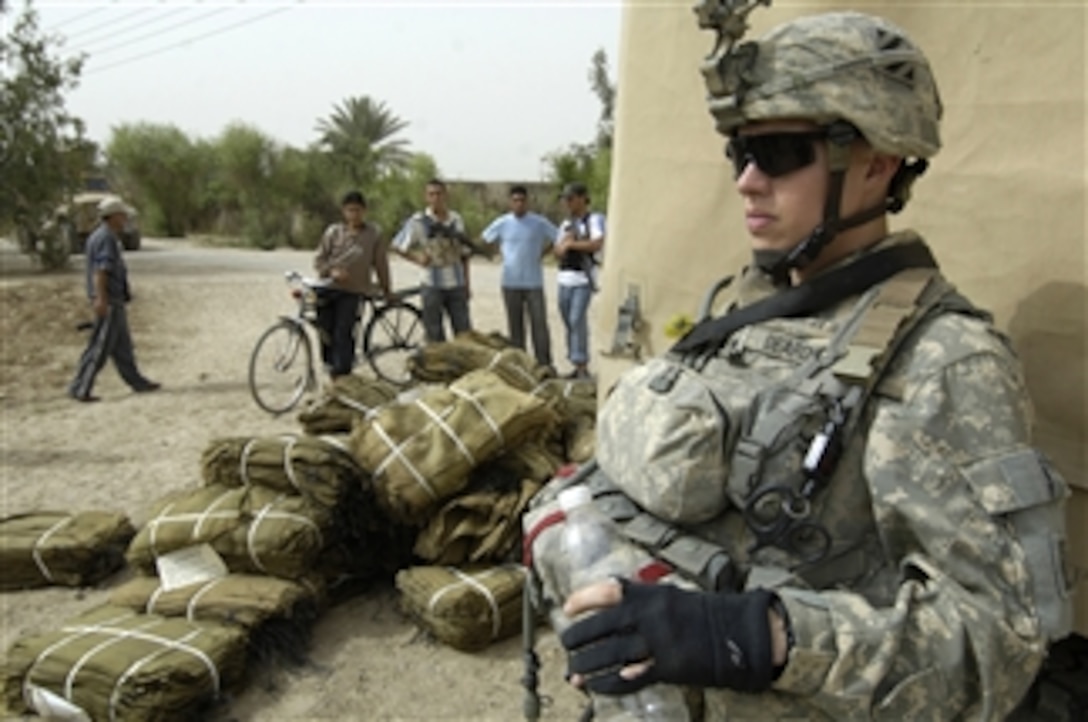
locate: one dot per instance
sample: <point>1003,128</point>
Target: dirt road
<point>196,313</point>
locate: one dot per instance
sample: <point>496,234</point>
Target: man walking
<point>350,254</point>
<point>108,291</point>
<point>435,239</point>
<point>580,239</point>
<point>523,238</point>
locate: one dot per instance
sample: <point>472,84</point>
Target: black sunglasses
<point>776,154</point>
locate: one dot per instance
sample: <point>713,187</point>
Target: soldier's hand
<point>647,633</point>
<point>101,306</point>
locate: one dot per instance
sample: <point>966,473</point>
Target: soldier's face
<point>781,209</point>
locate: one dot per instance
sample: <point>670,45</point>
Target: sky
<point>488,87</point>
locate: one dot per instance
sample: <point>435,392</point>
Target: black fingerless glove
<point>693,638</point>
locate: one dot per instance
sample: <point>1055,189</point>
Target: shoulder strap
<point>810,297</point>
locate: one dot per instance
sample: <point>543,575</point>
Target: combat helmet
<point>854,74</point>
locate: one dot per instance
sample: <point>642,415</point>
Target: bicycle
<point>281,366</point>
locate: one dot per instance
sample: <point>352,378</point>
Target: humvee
<point>79,216</point>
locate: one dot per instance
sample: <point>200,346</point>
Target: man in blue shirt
<point>108,291</point>
<point>523,238</point>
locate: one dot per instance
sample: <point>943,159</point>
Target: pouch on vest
<point>664,436</point>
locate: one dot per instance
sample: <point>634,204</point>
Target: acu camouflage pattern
<point>844,65</point>
<point>926,606</point>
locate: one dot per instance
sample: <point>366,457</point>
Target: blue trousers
<point>110,338</point>
<point>452,302</point>
<point>573,308</point>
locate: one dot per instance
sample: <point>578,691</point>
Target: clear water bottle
<point>594,550</point>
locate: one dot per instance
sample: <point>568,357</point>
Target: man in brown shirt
<point>349,256</point>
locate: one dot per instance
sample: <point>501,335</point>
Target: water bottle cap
<point>574,497</point>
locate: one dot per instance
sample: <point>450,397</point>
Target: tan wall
<point>1004,204</point>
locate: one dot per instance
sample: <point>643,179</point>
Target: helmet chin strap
<point>840,135</point>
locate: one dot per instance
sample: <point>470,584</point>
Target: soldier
<point>888,545</point>
<point>108,290</point>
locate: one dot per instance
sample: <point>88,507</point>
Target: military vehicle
<point>79,216</point>
<point>1004,205</point>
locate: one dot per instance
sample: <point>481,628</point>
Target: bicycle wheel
<point>392,335</point>
<point>281,367</point>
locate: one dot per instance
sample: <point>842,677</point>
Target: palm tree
<point>359,137</point>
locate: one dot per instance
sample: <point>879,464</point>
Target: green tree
<point>360,137</point>
<point>590,163</point>
<point>396,196</point>
<point>160,168</point>
<point>42,149</point>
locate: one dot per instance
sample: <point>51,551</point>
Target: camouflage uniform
<point>943,578</point>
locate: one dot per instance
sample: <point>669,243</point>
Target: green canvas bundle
<point>118,665</point>
<point>318,468</point>
<point>576,403</point>
<point>466,609</point>
<point>253,529</point>
<point>448,361</point>
<point>58,548</point>
<point>347,399</point>
<point>244,599</point>
<point>421,452</point>
<point>484,526</point>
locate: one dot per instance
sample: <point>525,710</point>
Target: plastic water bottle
<point>593,549</point>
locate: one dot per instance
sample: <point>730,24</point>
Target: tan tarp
<point>1003,205</point>
<point>58,548</point>
<point>348,398</point>
<point>122,666</point>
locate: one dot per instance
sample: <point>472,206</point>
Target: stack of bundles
<point>576,403</point>
<point>467,609</point>
<point>361,541</point>
<point>483,524</point>
<point>276,614</point>
<point>253,529</point>
<point>420,453</point>
<point>320,469</point>
<point>45,548</point>
<point>123,666</point>
<point>449,361</point>
<point>347,399</point>
<point>480,526</point>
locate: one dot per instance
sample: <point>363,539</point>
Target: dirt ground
<point>196,314</point>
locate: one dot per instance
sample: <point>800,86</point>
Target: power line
<point>107,23</point>
<point>187,41</point>
<point>79,17</point>
<point>113,35</point>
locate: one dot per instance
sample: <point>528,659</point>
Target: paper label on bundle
<point>52,706</point>
<point>191,565</point>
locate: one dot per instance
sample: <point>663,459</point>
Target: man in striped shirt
<point>435,239</point>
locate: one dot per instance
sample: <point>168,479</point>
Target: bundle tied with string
<point>421,452</point>
<point>119,665</point>
<point>277,614</point>
<point>347,399</point>
<point>59,548</point>
<point>253,529</point>
<point>448,361</point>
<point>318,468</point>
<point>576,403</point>
<point>362,541</point>
<point>467,609</point>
